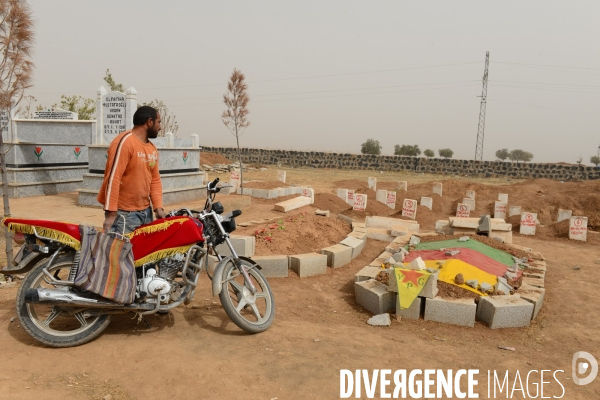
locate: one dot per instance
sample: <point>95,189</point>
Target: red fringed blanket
<point>151,242</point>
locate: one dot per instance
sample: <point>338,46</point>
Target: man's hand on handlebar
<point>160,213</point>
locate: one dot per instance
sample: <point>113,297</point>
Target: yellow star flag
<point>410,283</point>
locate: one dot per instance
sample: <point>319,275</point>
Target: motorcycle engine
<point>161,284</point>
<point>155,286</point>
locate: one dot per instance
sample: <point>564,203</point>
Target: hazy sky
<point>327,75</point>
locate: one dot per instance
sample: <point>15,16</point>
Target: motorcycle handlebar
<point>213,184</point>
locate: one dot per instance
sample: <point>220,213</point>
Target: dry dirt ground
<point>195,352</point>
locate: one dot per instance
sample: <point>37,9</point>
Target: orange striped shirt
<point>131,178</point>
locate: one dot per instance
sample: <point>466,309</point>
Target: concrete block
<point>528,223</point>
<point>380,234</point>
<point>246,191</point>
<point>505,236</point>
<point>338,255</point>
<point>451,311</point>
<point>443,226</point>
<point>308,192</point>
<point>469,202</point>
<point>281,192</point>
<point>281,176</point>
<point>437,188</point>
<point>243,246</point>
<point>394,247</point>
<point>427,202</point>
<point>366,273</point>
<point>412,312</point>
<point>261,193</point>
<point>372,182</point>
<point>430,290</point>
<point>342,194</point>
<point>398,232</point>
<point>497,224</point>
<point>514,210</point>
<point>533,282</point>
<point>381,196</point>
<point>273,266</point>
<point>564,214</point>
<point>503,197</point>
<point>356,245</point>
<point>389,223</point>
<point>374,297</point>
<point>403,240</point>
<point>500,209</point>
<point>503,286</point>
<point>534,295</point>
<point>358,225</point>
<point>309,264</point>
<point>359,235</point>
<point>470,194</point>
<point>360,229</point>
<point>292,204</point>
<point>504,311</point>
<point>290,191</point>
<point>403,185</point>
<point>464,231</point>
<point>417,264</point>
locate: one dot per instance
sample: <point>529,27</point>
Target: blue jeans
<point>128,221</point>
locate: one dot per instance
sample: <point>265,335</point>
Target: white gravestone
<point>391,200</point>
<point>403,185</point>
<point>528,221</point>
<point>342,194</point>
<point>437,188</point>
<point>463,210</point>
<point>503,197</point>
<point>308,192</point>
<point>360,202</point>
<point>6,126</point>
<point>470,194</point>
<point>113,118</point>
<point>55,113</point>
<point>514,210</point>
<point>281,176</point>
<point>470,202</point>
<point>372,183</point>
<point>350,198</point>
<point>234,180</point>
<point>427,202</point>
<point>500,209</point>
<point>578,228</point>
<point>381,196</point>
<point>564,214</point>
<point>409,208</point>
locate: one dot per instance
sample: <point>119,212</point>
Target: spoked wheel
<point>54,325</point>
<point>253,313</point>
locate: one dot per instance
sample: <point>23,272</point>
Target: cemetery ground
<point>197,352</point>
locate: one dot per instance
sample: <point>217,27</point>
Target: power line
<point>545,89</point>
<point>546,107</point>
<point>544,65</point>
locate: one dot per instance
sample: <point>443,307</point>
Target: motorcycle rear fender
<point>25,265</point>
<point>217,280</point>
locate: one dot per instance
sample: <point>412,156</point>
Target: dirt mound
<point>296,234</point>
<point>327,201</point>
<point>264,184</point>
<point>213,158</point>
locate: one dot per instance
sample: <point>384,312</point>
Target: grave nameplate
<point>4,124</point>
<point>234,180</point>
<point>409,208</point>
<point>500,209</point>
<point>281,176</point>
<point>350,198</point>
<point>463,210</point>
<point>514,210</point>
<point>470,202</point>
<point>503,197</point>
<point>471,194</point>
<point>308,192</point>
<point>55,113</point>
<point>372,183</point>
<point>113,117</point>
<point>528,221</point>
<point>403,185</point>
<point>381,196</point>
<point>564,214</point>
<point>360,202</point>
<point>391,200</point>
<point>342,194</point>
<point>437,188</point>
<point>578,228</point>
<point>427,202</point>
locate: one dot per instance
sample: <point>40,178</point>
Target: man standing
<point>131,177</point>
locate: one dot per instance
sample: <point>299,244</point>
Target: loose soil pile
<point>264,184</point>
<point>213,158</point>
<point>297,233</point>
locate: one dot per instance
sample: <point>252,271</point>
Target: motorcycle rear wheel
<point>53,325</point>
<point>252,313</point>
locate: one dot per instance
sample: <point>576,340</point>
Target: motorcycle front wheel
<point>253,313</point>
<point>53,325</point>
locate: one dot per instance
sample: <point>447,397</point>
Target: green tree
<point>595,160</point>
<point>371,146</point>
<point>86,108</point>
<point>446,153</point>
<point>114,86</point>
<point>502,154</point>
<point>429,153</point>
<point>520,155</point>
<point>407,150</point>
<point>168,119</point>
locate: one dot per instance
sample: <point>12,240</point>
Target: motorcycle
<point>57,313</point>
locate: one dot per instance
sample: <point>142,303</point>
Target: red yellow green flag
<point>410,283</point>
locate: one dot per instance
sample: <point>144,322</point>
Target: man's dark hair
<point>143,114</point>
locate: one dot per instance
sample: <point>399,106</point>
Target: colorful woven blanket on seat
<point>62,232</point>
<point>164,238</point>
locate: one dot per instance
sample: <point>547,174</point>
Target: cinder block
<point>412,312</point>
<point>443,226</point>
<point>355,244</point>
<point>359,235</point>
<point>273,266</point>
<point>533,282</point>
<point>245,192</point>
<point>380,234</point>
<point>534,295</point>
<point>292,204</point>
<point>403,240</point>
<point>359,225</point>
<point>243,246</point>
<point>387,223</point>
<point>451,311</point>
<point>260,193</point>
<point>374,297</point>
<point>430,290</point>
<point>338,255</point>
<point>308,264</point>
<point>505,236</point>
<point>394,247</point>
<point>280,192</point>
<point>504,311</point>
<point>383,257</point>
<point>366,273</point>
<point>359,229</point>
<point>534,274</point>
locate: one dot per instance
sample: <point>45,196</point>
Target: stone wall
<point>315,159</point>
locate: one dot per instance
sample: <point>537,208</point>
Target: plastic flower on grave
<point>274,226</point>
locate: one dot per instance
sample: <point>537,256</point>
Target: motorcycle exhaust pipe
<point>70,299</point>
